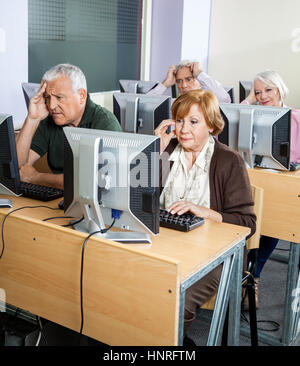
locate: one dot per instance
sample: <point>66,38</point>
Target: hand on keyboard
<point>185,222</point>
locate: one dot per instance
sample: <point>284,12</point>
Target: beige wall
<point>247,37</point>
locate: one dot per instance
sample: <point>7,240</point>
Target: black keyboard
<point>41,193</point>
<point>184,222</point>
<point>294,166</point>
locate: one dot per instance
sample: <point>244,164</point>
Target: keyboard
<point>294,166</point>
<point>41,193</point>
<point>185,222</point>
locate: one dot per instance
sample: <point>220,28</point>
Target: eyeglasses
<point>187,80</point>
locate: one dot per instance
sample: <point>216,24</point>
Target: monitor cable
<point>65,217</point>
<point>15,210</point>
<point>41,332</point>
<point>274,326</point>
<point>58,217</point>
<point>82,254</point>
<point>81,273</point>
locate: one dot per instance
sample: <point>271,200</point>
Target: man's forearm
<point>209,83</point>
<point>50,179</point>
<point>24,138</point>
<point>158,90</point>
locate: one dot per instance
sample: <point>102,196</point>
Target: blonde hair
<point>206,101</point>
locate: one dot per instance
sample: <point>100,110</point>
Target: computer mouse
<point>61,204</point>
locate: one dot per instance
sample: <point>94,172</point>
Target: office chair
<point>29,90</point>
<point>137,86</point>
<point>252,245</point>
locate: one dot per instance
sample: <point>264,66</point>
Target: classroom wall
<point>238,40</point>
<point>166,34</point>
<point>247,37</point>
<point>13,58</point>
<point>180,30</point>
<point>195,31</point>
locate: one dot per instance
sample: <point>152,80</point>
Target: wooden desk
<point>281,219</point>
<point>132,294</point>
<point>281,209</point>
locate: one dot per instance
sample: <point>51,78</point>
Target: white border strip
<point>146,40</point>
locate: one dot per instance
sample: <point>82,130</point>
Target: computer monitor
<point>29,90</point>
<point>108,175</point>
<point>261,134</point>
<point>141,113</point>
<point>174,91</point>
<point>137,86</point>
<point>230,91</point>
<point>244,89</point>
<point>9,168</point>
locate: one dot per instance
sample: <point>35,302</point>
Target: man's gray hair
<point>273,79</point>
<point>184,63</point>
<point>76,76</point>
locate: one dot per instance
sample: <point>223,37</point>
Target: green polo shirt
<point>49,137</point>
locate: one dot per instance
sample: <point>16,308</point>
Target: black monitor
<point>29,90</point>
<point>9,168</point>
<point>141,113</point>
<point>112,175</point>
<point>244,89</point>
<point>137,86</point>
<point>174,91</point>
<point>230,91</point>
<point>261,134</point>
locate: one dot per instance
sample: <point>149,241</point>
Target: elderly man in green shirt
<point>62,100</point>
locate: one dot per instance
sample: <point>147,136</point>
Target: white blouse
<point>192,185</point>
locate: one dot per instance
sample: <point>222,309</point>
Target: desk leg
<point>229,287</point>
<point>291,318</point>
<point>296,310</point>
<point>181,316</point>
<point>218,318</point>
<point>219,313</point>
<point>234,320</point>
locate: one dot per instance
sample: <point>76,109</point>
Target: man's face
<point>65,106</point>
<point>185,80</point>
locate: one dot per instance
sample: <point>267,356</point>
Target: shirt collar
<point>88,113</point>
<point>202,159</point>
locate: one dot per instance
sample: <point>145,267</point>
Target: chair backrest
<point>258,195</point>
<point>29,90</point>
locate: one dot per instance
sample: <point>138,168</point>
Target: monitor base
<point>125,237</point>
<point>7,191</point>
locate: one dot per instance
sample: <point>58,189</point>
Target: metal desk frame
<point>229,291</point>
<point>285,186</point>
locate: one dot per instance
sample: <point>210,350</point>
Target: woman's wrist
<point>250,101</point>
<point>213,215</point>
